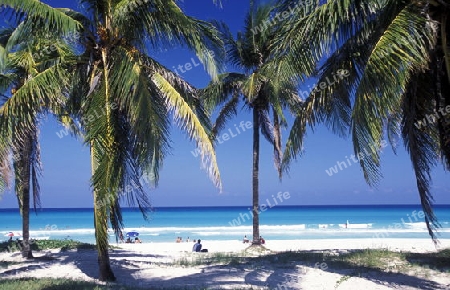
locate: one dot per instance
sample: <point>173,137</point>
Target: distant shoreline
<point>279,222</point>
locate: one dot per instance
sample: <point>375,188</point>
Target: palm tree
<point>124,98</point>
<point>29,78</point>
<point>260,84</point>
<point>397,59</point>
<point>136,95</point>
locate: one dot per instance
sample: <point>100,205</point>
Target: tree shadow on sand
<point>287,269</point>
<point>123,263</point>
<point>275,270</point>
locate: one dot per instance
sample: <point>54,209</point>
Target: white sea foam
<point>298,231</point>
<point>355,226</point>
<point>418,225</point>
<point>226,230</point>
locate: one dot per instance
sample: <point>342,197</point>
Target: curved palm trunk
<point>255,181</point>
<point>101,229</point>
<point>104,265</point>
<point>22,187</point>
<point>101,198</point>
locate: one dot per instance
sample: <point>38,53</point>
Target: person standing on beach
<point>262,240</point>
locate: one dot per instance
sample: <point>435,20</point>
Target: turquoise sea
<point>165,224</point>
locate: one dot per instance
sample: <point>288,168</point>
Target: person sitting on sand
<point>137,240</point>
<point>262,240</point>
<point>246,240</point>
<point>128,241</point>
<point>197,246</point>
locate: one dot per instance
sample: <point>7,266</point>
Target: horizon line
<point>217,206</point>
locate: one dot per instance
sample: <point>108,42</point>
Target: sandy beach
<point>172,265</point>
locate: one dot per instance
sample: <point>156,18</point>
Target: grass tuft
<point>199,259</point>
<point>54,284</point>
<point>40,245</point>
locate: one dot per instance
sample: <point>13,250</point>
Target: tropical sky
<point>325,174</point>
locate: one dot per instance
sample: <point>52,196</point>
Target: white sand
<point>151,266</point>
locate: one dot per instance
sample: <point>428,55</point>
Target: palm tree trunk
<point>101,195</point>
<point>22,187</point>
<point>26,246</point>
<point>101,229</point>
<point>255,181</point>
<point>104,265</point>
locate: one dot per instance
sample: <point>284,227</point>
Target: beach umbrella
<point>132,234</point>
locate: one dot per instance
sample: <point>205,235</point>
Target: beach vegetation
<point>343,279</point>
<point>364,260</point>
<point>40,245</point>
<point>379,259</point>
<point>64,245</point>
<point>195,259</point>
<point>56,284</point>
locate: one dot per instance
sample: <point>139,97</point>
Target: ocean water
<point>232,223</point>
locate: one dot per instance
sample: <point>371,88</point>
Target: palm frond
<point>49,18</point>
<point>189,122</point>
<point>379,94</point>
<point>329,24</point>
<point>115,171</point>
<point>277,150</point>
<point>145,109</point>
<point>189,93</point>
<point>218,92</point>
<point>421,141</point>
<point>5,34</point>
<point>266,126</point>
<point>43,89</point>
<point>227,111</point>
<point>252,86</point>
<point>164,22</point>
<point>295,140</point>
<point>5,162</point>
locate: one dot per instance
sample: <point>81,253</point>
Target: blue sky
<point>65,182</point>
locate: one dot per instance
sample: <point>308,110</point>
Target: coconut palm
<point>34,82</point>
<point>397,62</point>
<point>261,82</point>
<point>136,96</point>
<point>124,98</point>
